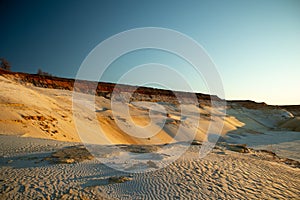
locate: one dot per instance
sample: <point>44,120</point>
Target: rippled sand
<point>222,174</point>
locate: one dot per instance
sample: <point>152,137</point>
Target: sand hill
<point>42,157</point>
<point>41,107</point>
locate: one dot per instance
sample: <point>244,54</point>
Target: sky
<point>255,45</point>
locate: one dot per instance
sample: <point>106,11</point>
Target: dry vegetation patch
<point>69,155</point>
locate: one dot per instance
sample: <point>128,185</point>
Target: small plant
<point>5,64</point>
<point>42,73</point>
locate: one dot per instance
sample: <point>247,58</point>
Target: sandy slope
<point>28,113</point>
<point>222,174</point>
<point>47,113</point>
<point>292,124</point>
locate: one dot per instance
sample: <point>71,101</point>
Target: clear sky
<point>254,44</point>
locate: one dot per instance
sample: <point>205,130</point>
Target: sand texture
<point>223,174</point>
<point>42,155</point>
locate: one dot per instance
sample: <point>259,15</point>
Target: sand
<point>283,143</point>
<point>28,111</point>
<point>47,113</point>
<point>291,124</point>
<point>40,157</point>
<point>223,174</point>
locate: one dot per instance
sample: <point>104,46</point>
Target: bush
<point>41,73</point>
<point>5,64</point>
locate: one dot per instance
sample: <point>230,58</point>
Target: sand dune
<point>47,113</point>
<point>30,112</point>
<point>291,124</point>
<point>35,122</point>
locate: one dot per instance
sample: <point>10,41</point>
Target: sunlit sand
<point>42,156</point>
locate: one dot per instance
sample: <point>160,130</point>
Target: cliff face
<point>140,94</point>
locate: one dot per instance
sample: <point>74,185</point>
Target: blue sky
<point>254,44</point>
